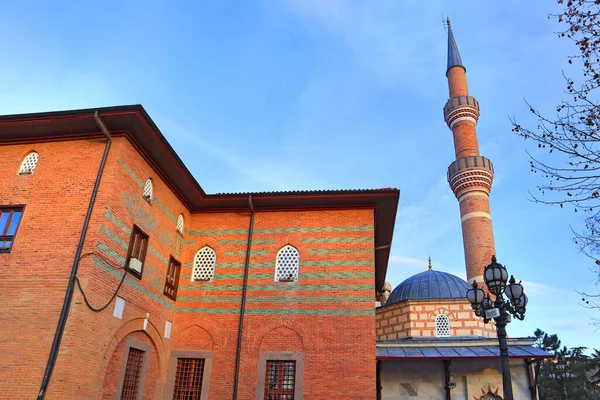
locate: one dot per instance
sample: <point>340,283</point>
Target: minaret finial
<point>453,54</point>
<point>430,266</point>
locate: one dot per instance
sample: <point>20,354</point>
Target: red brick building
<point>225,296</point>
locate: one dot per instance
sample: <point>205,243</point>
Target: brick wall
<point>328,314</point>
<point>416,318</point>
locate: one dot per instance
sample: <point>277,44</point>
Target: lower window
<point>133,371</point>
<point>280,376</point>
<point>188,379</point>
<point>189,375</point>
<point>280,381</point>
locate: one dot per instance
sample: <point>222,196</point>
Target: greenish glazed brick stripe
<point>359,239</point>
<point>245,241</point>
<point>156,254</point>
<point>212,232</point>
<point>207,310</point>
<point>326,275</point>
<point>111,253</point>
<point>107,232</point>
<point>240,253</point>
<point>131,173</point>
<point>141,184</point>
<point>202,286</point>
<point>220,265</point>
<point>164,209</point>
<point>133,283</point>
<point>325,229</point>
<point>325,299</point>
<point>311,312</point>
<point>112,218</point>
<point>341,251</point>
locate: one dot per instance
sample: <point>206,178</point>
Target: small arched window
<point>204,265</point>
<point>287,264</point>
<point>179,227</point>
<point>148,190</point>
<point>29,163</point>
<point>442,325</point>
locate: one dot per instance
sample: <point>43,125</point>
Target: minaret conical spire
<point>470,175</point>
<point>454,59</point>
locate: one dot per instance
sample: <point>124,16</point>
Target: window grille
<point>288,262</point>
<point>172,281</point>
<point>179,227</point>
<point>29,163</point>
<point>280,382</point>
<point>188,379</point>
<point>9,223</point>
<point>442,325</point>
<point>138,244</point>
<point>148,190</point>
<point>204,264</point>
<point>133,370</point>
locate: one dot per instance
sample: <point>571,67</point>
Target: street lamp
<point>562,374</point>
<point>495,278</point>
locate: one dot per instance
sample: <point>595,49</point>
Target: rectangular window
<point>172,280</point>
<point>133,370</point>
<point>138,244</point>
<point>188,379</point>
<point>280,380</point>
<point>9,223</point>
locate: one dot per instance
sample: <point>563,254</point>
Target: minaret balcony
<point>470,173</point>
<point>461,108</point>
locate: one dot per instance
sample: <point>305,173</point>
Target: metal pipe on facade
<point>238,351</point>
<point>64,313</point>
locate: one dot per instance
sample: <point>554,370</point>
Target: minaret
<point>470,176</point>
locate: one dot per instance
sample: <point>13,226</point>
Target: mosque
<point>122,278</point>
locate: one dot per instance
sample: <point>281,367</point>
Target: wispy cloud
<point>378,32</point>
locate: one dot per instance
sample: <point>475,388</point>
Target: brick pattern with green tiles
<point>358,239</point>
<point>262,297</point>
<point>358,250</point>
<point>240,253</point>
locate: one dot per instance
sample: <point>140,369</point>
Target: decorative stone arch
<point>307,343</point>
<point>291,239</point>
<point>219,340</point>
<point>443,310</point>
<point>134,325</point>
<point>210,242</point>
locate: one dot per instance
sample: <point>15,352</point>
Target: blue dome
<point>430,285</point>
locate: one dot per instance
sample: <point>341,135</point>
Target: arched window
<point>287,264</point>
<point>179,227</point>
<point>148,190</point>
<point>442,325</point>
<point>29,163</point>
<point>204,265</point>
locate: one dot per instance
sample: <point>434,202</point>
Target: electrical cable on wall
<point>116,291</point>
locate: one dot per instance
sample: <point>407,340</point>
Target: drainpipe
<point>64,313</point>
<point>238,350</point>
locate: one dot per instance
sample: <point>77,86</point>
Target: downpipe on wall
<point>64,313</point>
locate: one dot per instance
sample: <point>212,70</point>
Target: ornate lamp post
<point>500,309</point>
<point>562,375</point>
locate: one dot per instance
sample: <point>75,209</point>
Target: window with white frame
<point>442,325</point>
<point>29,163</point>
<point>180,223</point>
<point>287,264</point>
<point>148,190</point>
<point>204,265</point>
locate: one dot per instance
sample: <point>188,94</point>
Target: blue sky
<point>312,94</point>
